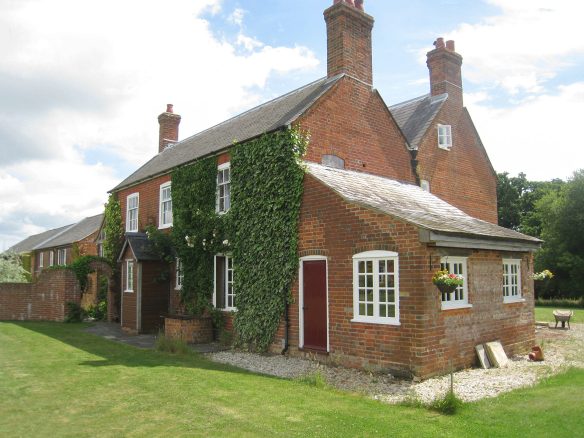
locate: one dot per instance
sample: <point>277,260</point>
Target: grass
<point>545,314</point>
<point>57,380</point>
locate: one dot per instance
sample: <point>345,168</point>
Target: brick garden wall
<point>42,300</point>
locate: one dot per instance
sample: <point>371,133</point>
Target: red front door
<point>314,304</point>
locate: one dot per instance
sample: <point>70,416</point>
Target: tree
<point>11,270</point>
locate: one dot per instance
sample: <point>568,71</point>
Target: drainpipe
<point>286,324</point>
<point>414,162</point>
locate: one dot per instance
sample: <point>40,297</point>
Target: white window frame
<point>41,260</point>
<point>454,302</point>
<point>375,257</point>
<point>129,283</point>
<point>444,137</point>
<point>179,273</point>
<point>425,185</point>
<point>227,193</point>
<point>508,286</point>
<point>51,258</point>
<point>162,218</point>
<point>228,260</point>
<point>62,261</point>
<point>132,224</point>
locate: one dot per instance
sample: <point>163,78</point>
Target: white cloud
<point>524,46</point>
<point>78,76</point>
<point>536,137</point>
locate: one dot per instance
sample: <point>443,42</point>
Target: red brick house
<point>61,246</point>
<point>391,194</point>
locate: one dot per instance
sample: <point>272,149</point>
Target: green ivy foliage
<point>198,231</point>
<point>266,191</point>
<point>80,266</point>
<point>114,231</point>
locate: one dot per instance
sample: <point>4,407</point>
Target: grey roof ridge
<point>64,230</point>
<point>91,217</point>
<point>255,108</point>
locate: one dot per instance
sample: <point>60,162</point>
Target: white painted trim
<point>519,297</point>
<point>176,273</point>
<point>447,136</point>
<point>163,186</point>
<point>301,299</point>
<point>459,304</point>
<point>375,319</point>
<point>220,168</point>
<point>41,259</point>
<point>125,284</point>
<point>137,196</point>
<point>226,309</point>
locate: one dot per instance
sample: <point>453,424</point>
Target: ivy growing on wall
<point>114,230</point>
<point>266,191</point>
<point>198,231</point>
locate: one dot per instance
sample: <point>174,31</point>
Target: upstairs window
<point>459,297</point>
<point>425,185</point>
<point>61,256</point>
<point>165,219</point>
<point>133,202</point>
<point>511,280</point>
<point>445,136</point>
<point>223,198</point>
<point>376,287</point>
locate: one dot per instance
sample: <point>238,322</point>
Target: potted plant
<point>447,282</point>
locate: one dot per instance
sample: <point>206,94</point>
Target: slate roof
<point>31,242</point>
<point>141,247</point>
<point>74,233</point>
<point>265,118</point>
<point>415,116</point>
<point>410,203</point>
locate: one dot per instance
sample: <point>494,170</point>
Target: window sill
<point>131,231</point>
<point>376,321</point>
<point>513,300</point>
<point>457,306</point>
<point>128,291</point>
<point>164,227</point>
<point>446,148</point>
<point>178,288</point>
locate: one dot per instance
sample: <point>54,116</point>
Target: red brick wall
<point>428,337</point>
<point>462,176</point>
<point>154,295</point>
<point>42,300</point>
<point>352,122</point>
<point>148,209</point>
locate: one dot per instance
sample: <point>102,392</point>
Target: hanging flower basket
<point>446,282</point>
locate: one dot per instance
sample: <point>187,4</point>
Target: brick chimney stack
<point>168,133</point>
<point>349,40</point>
<point>445,71</point>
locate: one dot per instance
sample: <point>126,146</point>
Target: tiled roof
<point>268,117</point>
<point>141,247</point>
<point>411,204</point>
<point>31,242</point>
<point>74,233</point>
<point>415,116</point>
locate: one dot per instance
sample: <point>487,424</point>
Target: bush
<point>569,303</point>
<point>168,345</point>
<point>97,312</point>
<point>74,312</point>
<point>448,404</point>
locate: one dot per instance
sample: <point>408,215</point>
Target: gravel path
<point>562,349</point>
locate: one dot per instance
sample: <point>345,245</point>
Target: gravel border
<point>562,349</point>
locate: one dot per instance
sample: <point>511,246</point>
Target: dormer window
<point>223,198</point>
<point>445,136</point>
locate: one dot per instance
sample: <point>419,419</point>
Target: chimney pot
<point>169,108</point>
<point>439,43</point>
<point>168,131</point>
<point>359,5</point>
<point>450,45</point>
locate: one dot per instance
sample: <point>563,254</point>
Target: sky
<point>82,83</point>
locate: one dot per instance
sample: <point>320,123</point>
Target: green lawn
<point>545,314</point>
<point>56,380</point>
